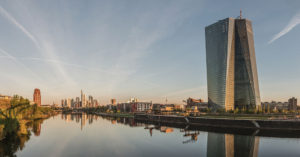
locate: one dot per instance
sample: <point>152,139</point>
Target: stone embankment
<point>222,122</point>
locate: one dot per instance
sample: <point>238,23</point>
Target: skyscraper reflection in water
<point>228,145</point>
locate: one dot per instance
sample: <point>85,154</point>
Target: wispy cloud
<point>42,43</point>
<point>16,61</point>
<point>185,91</point>
<point>18,25</point>
<point>95,51</point>
<point>293,23</point>
<point>142,37</point>
<point>68,64</point>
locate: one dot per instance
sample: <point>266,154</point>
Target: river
<point>90,135</point>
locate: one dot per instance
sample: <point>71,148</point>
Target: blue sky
<point>145,49</point>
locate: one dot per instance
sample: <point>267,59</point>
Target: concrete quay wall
<point>222,122</point>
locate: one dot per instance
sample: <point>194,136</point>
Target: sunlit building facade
<point>83,101</point>
<point>37,96</point>
<point>292,104</point>
<point>232,80</point>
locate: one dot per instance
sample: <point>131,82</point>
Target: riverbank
<point>267,128</point>
<point>125,115</point>
<point>236,121</point>
<point>261,124</point>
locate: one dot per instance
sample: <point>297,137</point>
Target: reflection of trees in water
<point>36,127</point>
<point>14,135</point>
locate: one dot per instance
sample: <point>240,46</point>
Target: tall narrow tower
<point>83,101</point>
<point>37,96</point>
<point>231,65</point>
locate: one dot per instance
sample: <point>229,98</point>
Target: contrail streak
<point>293,23</point>
<point>17,24</point>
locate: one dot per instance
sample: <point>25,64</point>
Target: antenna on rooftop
<point>240,13</point>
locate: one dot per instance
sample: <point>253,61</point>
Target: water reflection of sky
<point>90,136</point>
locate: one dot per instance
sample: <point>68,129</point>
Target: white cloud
<point>293,23</point>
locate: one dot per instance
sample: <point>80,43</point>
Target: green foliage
<point>20,109</point>
<point>236,110</point>
<point>208,110</point>
<point>11,126</point>
<point>230,111</point>
<point>18,105</point>
<point>221,110</point>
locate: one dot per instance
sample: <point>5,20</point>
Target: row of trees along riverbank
<point>17,113</point>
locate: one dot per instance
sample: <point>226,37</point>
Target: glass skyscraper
<point>231,65</point>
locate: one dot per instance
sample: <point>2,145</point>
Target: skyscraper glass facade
<point>231,65</point>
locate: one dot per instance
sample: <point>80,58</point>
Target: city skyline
<point>149,50</point>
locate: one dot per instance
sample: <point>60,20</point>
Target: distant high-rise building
<point>37,96</point>
<point>96,103</point>
<point>83,101</point>
<point>68,102</point>
<point>77,102</point>
<point>62,103</point>
<point>293,104</point>
<point>91,101</point>
<point>72,103</point>
<point>113,101</point>
<point>232,80</point>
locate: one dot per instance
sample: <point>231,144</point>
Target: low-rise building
<point>124,107</point>
<point>273,105</point>
<point>134,106</point>
<point>156,107</point>
<point>5,97</point>
<point>292,106</point>
<point>4,100</point>
<point>141,106</point>
<point>196,104</point>
<point>167,108</point>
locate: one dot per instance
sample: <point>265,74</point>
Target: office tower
<point>68,102</point>
<point>96,103</point>
<point>62,102</point>
<point>83,101</point>
<point>72,103</point>
<point>37,96</point>
<point>292,104</point>
<point>77,102</point>
<point>91,101</point>
<point>231,65</point>
<point>113,101</point>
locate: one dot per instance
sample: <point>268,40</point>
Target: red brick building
<point>37,96</point>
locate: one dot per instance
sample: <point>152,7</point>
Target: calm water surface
<point>89,135</point>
